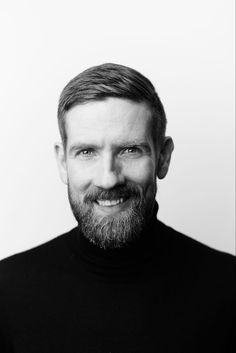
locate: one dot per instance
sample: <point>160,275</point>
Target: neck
<point>128,257</point>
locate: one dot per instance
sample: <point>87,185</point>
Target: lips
<point>110,203</point>
<point>113,197</point>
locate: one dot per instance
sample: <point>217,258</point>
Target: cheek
<point>79,178</point>
<point>141,172</point>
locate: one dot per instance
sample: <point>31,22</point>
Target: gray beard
<point>109,232</point>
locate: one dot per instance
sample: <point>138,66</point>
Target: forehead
<point>113,119</point>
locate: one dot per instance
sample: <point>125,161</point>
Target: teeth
<point>110,202</point>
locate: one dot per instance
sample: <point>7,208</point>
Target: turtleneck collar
<point>112,262</point>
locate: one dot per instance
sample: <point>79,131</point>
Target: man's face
<point>110,168</point>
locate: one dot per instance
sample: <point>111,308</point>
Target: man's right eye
<point>86,153</point>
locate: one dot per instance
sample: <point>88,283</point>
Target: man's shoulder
<point>38,258</point>
<point>197,258</point>
<point>185,245</point>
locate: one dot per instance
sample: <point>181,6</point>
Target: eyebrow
<point>80,146</point>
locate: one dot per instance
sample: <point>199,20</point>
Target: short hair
<point>112,80</point>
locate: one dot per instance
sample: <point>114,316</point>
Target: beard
<point>116,230</point>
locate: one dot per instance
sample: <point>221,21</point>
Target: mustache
<point>118,192</point>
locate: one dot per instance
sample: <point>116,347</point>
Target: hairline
<point>157,139</point>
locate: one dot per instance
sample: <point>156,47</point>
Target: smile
<point>109,203</point>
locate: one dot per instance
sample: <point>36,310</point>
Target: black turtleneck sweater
<point>166,293</point>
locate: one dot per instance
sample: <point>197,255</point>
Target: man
<point>121,281</point>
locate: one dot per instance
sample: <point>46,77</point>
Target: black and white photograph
<point>117,144</point>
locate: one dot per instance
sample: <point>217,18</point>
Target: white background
<point>185,47</point>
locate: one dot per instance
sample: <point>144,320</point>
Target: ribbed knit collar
<point>117,262</point>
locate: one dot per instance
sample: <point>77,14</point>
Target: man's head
<point>112,125</point>
<point>111,80</point>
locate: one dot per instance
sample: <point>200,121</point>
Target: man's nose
<point>109,173</point>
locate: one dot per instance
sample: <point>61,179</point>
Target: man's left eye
<point>85,152</point>
<point>132,150</point>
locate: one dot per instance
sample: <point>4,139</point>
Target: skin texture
<point>110,153</point>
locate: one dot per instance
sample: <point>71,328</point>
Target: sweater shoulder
<point>188,252</point>
<point>38,258</point>
<point>185,242</point>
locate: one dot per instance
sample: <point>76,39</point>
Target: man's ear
<point>61,161</point>
<point>164,157</point>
